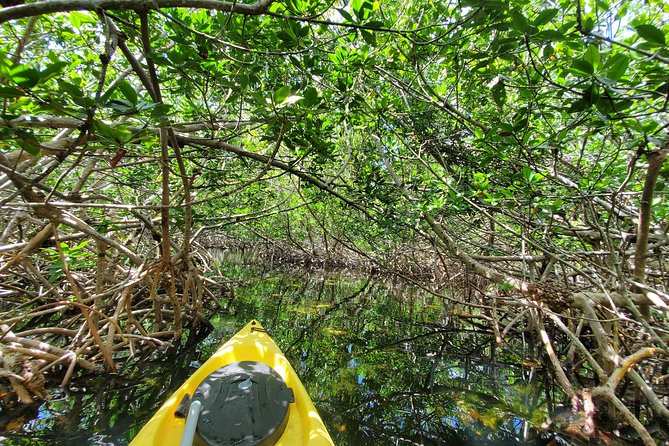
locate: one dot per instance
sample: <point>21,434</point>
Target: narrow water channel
<point>384,364</point>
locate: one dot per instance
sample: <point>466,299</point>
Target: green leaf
<point>588,23</point>
<point>545,16</point>
<point>77,18</point>
<point>290,100</point>
<point>281,94</point>
<point>616,66</point>
<point>591,94</point>
<point>160,111</point>
<point>368,37</point>
<point>177,56</point>
<point>375,24</point>
<point>519,21</point>
<point>117,134</point>
<point>121,106</point>
<point>311,97</point>
<point>128,91</point>
<point>8,117</point>
<point>651,34</point>
<point>10,92</point>
<point>499,94</point>
<point>25,77</point>
<point>505,287</point>
<point>70,89</point>
<point>285,36</point>
<point>552,35</point>
<point>592,56</point>
<point>520,123</point>
<point>103,129</point>
<point>362,9</point>
<point>582,66</point>
<point>5,65</point>
<point>528,174</point>
<point>567,26</point>
<point>345,15</point>
<point>28,142</point>
<point>295,61</point>
<point>51,70</point>
<point>577,106</point>
<point>663,89</point>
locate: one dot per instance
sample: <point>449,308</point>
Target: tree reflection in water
<point>384,365</point>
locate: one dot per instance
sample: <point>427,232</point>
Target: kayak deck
<point>251,343</point>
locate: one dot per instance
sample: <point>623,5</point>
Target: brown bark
<point>655,160</point>
<point>77,291</point>
<point>34,243</point>
<point>53,6</point>
<point>166,244</point>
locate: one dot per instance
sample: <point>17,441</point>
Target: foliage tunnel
<point>523,142</point>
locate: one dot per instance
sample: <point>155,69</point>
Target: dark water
<point>384,365</point>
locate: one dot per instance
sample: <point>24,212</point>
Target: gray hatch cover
<point>243,404</point>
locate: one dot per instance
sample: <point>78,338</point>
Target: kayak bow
<point>247,393</point>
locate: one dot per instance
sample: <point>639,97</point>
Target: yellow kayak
<point>245,394</point>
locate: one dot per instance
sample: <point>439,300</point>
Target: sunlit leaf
<point>290,100</point>
<point>78,18</point>
<point>592,56</point>
<point>25,77</point>
<point>281,94</point>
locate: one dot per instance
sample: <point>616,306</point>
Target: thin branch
<point>53,6</point>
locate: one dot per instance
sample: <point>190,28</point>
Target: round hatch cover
<point>243,404</point>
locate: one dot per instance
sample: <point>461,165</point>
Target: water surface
<point>384,364</point>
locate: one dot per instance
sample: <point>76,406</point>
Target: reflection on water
<point>383,364</point>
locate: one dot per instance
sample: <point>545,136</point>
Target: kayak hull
<point>251,343</point>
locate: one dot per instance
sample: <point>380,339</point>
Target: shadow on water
<point>383,364</point>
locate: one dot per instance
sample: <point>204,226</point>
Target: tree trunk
<point>655,161</point>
